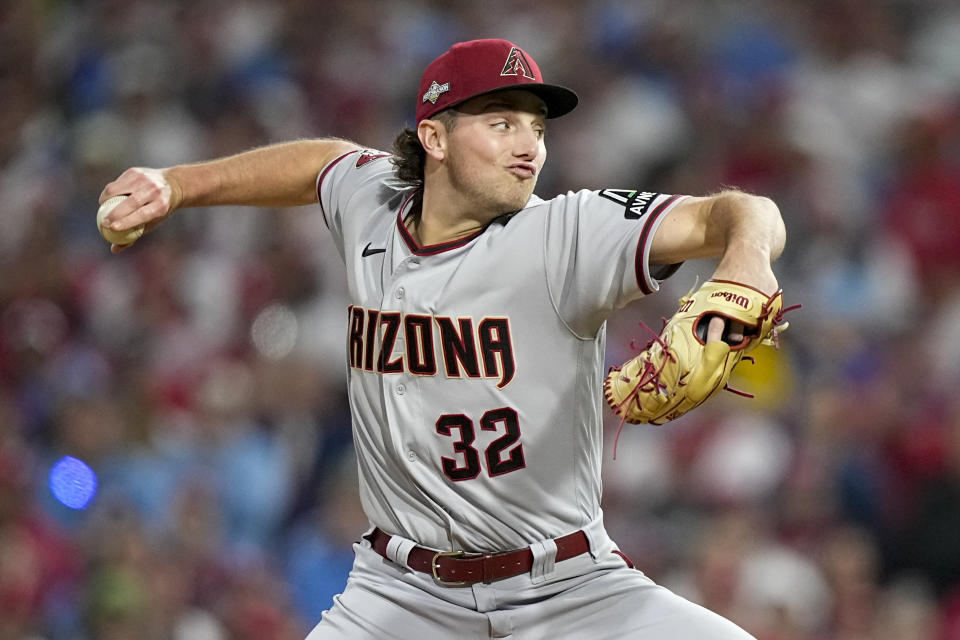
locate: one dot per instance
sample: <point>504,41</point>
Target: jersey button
<point>414,264</point>
<point>401,389</point>
<point>399,293</point>
<point>411,456</point>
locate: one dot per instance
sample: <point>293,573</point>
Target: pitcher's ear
<point>433,138</point>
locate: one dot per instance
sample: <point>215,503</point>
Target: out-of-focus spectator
<point>318,553</point>
<point>924,197</point>
<point>40,570</point>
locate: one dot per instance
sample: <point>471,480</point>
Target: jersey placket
<point>399,389</point>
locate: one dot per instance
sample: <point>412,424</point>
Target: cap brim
<point>559,100</point>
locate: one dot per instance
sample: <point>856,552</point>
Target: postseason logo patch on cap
<point>433,93</point>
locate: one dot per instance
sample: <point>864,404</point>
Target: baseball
<point>115,237</point>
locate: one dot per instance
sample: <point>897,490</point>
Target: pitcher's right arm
<point>278,175</point>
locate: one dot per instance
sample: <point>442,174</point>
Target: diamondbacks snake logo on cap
<point>517,65</point>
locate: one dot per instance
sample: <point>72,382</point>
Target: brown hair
<point>408,155</point>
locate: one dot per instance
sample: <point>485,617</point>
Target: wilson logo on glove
<point>729,296</point>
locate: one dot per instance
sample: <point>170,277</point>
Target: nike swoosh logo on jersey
<point>367,251</point>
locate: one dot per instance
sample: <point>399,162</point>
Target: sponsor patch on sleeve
<point>635,203</point>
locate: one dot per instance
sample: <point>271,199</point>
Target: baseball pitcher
<point>475,349</point>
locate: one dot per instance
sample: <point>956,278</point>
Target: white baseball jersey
<point>475,367</point>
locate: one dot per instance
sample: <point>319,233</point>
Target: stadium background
<point>200,375</point>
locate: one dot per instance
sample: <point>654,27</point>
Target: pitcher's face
<point>497,149</point>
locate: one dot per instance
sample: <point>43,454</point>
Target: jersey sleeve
<point>597,251</point>
<point>354,176</point>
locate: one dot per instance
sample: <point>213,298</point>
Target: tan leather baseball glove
<point>679,370</point>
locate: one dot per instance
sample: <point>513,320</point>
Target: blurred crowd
<point>200,374</point>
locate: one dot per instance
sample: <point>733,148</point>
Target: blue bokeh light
<point>73,482</point>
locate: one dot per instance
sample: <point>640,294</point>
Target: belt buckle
<point>435,565</point>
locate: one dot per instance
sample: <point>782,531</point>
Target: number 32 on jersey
<point>486,351</point>
<point>503,455</point>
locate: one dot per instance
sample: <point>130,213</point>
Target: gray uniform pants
<point>578,598</point>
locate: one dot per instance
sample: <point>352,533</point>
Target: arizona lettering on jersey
<point>475,367</point>
<point>451,346</point>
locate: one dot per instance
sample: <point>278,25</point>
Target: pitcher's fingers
<point>120,212</point>
<point>715,329</point>
<point>125,184</point>
<point>736,334</point>
<point>144,213</point>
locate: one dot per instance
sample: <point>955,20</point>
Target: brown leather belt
<point>458,568</point>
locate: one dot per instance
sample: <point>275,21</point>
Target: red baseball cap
<point>476,67</point>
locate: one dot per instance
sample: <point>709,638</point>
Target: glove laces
<point>649,375</point>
